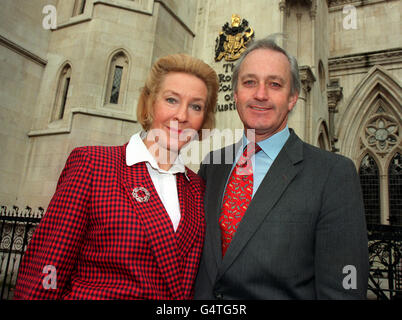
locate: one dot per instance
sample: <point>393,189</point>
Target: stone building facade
<point>71,72</point>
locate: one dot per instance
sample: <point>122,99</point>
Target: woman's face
<point>178,111</point>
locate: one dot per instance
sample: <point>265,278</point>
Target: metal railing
<point>385,252</point>
<point>16,230</point>
<point>385,257</point>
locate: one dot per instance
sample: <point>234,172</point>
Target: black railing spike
<point>28,212</point>
<point>41,210</point>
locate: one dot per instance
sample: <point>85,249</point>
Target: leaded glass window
<point>370,183</point>
<point>114,96</point>
<point>117,80</point>
<point>380,168</point>
<point>395,190</point>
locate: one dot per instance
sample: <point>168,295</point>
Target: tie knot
<point>249,151</point>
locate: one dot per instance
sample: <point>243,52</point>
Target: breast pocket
<point>291,210</point>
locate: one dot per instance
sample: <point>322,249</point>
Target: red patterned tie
<point>238,195</point>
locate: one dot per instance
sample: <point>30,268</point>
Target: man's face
<point>263,98</point>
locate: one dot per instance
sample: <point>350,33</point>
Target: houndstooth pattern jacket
<point>104,244</point>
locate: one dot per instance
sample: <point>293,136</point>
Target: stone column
<point>334,94</point>
<point>301,115</point>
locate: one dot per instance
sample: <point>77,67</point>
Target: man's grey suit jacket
<point>303,236</point>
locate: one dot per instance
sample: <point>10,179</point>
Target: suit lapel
<point>214,211</point>
<point>156,224</point>
<point>190,220</point>
<point>216,191</point>
<point>279,176</point>
<point>188,233</point>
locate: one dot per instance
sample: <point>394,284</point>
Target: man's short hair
<point>269,43</point>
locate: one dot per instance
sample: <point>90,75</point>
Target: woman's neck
<point>164,157</point>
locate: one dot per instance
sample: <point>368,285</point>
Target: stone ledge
<point>144,9</point>
<point>337,5</point>
<point>85,111</point>
<point>22,51</point>
<point>364,60</point>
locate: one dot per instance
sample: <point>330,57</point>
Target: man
<point>303,235</point>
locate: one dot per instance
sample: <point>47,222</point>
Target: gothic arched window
<point>370,183</point>
<point>117,79</point>
<point>380,167</point>
<point>62,93</point>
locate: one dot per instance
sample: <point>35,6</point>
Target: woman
<point>127,222</point>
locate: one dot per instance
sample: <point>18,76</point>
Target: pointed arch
<point>323,136</point>
<point>322,76</point>
<point>118,70</point>
<point>378,83</point>
<point>62,89</point>
<point>371,133</point>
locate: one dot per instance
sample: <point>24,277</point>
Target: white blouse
<point>164,181</point>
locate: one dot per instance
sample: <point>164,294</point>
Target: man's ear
<point>292,101</point>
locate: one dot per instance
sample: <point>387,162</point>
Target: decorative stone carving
<point>307,78</point>
<point>334,94</point>
<point>381,132</point>
<point>366,60</point>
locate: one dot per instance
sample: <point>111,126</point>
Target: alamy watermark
<point>350,20</point>
<point>350,280</point>
<point>50,22</point>
<point>50,280</point>
<point>50,19</point>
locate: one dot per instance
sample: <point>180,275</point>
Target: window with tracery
<point>380,168</point>
<point>382,132</point>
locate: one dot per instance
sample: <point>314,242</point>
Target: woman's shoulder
<point>100,153</point>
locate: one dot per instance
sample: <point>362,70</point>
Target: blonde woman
<point>127,222</point>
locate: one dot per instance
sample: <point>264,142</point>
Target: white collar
<point>137,152</point>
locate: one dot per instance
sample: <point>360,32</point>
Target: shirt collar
<point>272,145</point>
<point>137,152</point>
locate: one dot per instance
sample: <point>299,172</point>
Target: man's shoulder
<point>313,157</point>
<point>322,162</point>
<point>312,152</point>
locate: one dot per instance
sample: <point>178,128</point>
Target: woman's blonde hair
<point>177,63</point>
